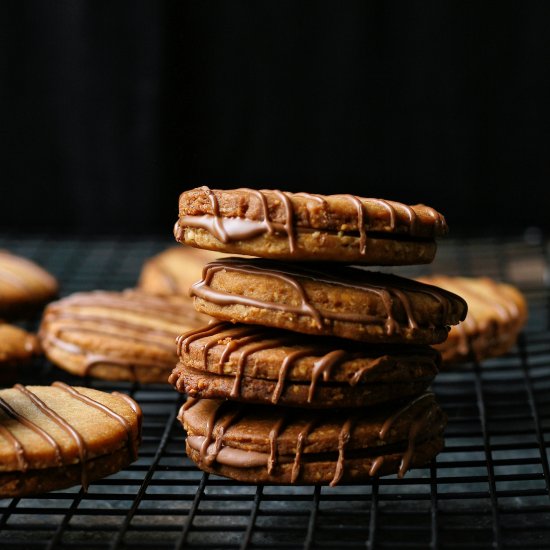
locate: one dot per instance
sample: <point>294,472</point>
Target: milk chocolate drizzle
<point>66,320</point>
<point>239,338</point>
<point>389,291</point>
<point>229,229</point>
<point>219,423</point>
<point>64,425</point>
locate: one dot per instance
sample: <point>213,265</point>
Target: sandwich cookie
<point>53,437</point>
<point>24,286</point>
<point>259,444</point>
<point>496,314</point>
<point>261,365</point>
<point>327,300</point>
<point>304,226</point>
<point>126,335</point>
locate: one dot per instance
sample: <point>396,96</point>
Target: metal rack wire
<point>489,488</point>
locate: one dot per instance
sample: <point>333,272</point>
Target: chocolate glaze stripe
<point>136,302</point>
<point>91,360</point>
<point>386,427</point>
<point>300,444</point>
<point>64,425</point>
<point>236,390</point>
<point>414,431</point>
<point>183,341</point>
<point>19,451</point>
<point>132,445</point>
<point>323,367</point>
<point>166,345</point>
<point>21,419</point>
<point>288,362</point>
<point>343,437</point>
<point>274,434</point>
<point>61,319</point>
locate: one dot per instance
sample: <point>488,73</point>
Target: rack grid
<point>489,488</point>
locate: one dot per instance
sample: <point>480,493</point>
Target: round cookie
<point>327,300</point>
<point>258,444</point>
<point>17,348</point>
<point>126,335</point>
<point>174,270</point>
<point>53,437</point>
<point>496,314</point>
<point>259,365</point>
<point>24,286</point>
<point>303,226</point>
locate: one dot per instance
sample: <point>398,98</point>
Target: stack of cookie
<point>312,372</point>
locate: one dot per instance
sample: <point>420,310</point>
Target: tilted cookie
<point>24,286</point>
<point>496,314</point>
<point>304,226</point>
<point>126,335</point>
<point>261,444</point>
<point>174,270</point>
<point>259,365</point>
<point>327,300</point>
<point>53,437</point>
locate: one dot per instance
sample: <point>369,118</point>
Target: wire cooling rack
<point>489,488</point>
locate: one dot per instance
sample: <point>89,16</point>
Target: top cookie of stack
<point>309,227</point>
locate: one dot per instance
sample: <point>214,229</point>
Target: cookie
<point>174,270</point>
<point>24,286</point>
<point>302,226</point>
<point>126,335</point>
<point>53,437</point>
<point>496,314</point>
<point>258,365</point>
<point>260,444</point>
<point>327,300</point>
<point>17,346</point>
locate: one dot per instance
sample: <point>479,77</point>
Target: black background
<point>110,109</point>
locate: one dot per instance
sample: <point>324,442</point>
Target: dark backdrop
<point>111,109</point>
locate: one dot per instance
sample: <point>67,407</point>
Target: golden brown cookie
<point>260,444</point>
<point>496,314</point>
<point>260,365</point>
<point>24,286</point>
<point>303,226</point>
<point>53,437</point>
<point>174,270</point>
<point>126,335</point>
<point>327,300</point>
<point>17,348</point>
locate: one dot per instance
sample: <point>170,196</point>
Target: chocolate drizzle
<point>248,340</point>
<point>389,289</point>
<point>47,411</point>
<point>224,414</point>
<point>229,229</point>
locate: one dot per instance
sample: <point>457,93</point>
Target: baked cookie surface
<point>53,437</point>
<point>327,300</point>
<point>303,226</point>
<point>24,286</point>
<point>174,270</point>
<point>126,335</point>
<point>260,365</point>
<point>496,314</point>
<point>287,445</point>
<point>16,345</point>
